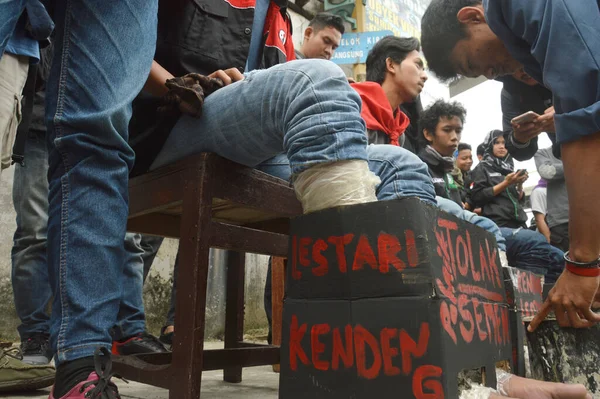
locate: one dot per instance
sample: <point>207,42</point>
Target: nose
<point>424,76</point>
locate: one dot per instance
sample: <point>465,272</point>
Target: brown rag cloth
<point>187,93</point>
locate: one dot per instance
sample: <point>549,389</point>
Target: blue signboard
<point>355,47</point>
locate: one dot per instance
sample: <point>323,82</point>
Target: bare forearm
<point>542,226</point>
<point>498,188</point>
<point>582,166</point>
<point>155,84</point>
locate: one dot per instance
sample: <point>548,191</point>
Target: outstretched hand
<point>571,299</point>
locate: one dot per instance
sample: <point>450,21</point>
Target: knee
<point>317,69</point>
<point>399,157</point>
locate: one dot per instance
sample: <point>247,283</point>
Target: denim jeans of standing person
<point>103,54</point>
<point>10,11</point>
<point>30,282</point>
<point>529,250</point>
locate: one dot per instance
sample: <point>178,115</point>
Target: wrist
<point>584,269</point>
<point>517,143</point>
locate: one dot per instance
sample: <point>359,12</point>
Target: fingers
<point>228,76</point>
<point>541,316</point>
<point>220,74</point>
<point>590,315</point>
<point>549,110</point>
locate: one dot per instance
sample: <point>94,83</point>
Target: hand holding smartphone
<point>527,117</point>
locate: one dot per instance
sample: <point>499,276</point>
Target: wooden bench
<point>207,201</point>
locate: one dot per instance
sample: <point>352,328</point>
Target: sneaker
<point>98,385</point>
<point>138,344</point>
<point>166,339</point>
<point>15,375</point>
<point>36,350</point>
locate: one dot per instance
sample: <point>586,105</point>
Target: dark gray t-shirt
<point>551,169</point>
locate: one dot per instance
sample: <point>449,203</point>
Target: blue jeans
<point>103,53</point>
<point>29,263</point>
<point>303,108</point>
<point>402,173</point>
<point>10,11</point>
<point>529,250</point>
<point>453,208</point>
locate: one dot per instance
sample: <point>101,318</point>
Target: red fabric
<point>377,111</point>
<point>583,271</point>
<point>279,46</point>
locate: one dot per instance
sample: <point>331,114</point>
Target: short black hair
<point>431,116</point>
<point>396,48</point>
<point>464,146</point>
<point>440,31</point>
<point>324,20</point>
<point>481,149</point>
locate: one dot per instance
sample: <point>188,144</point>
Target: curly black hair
<point>431,116</point>
<point>440,31</point>
<point>396,48</point>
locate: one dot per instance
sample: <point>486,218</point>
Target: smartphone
<point>521,171</point>
<point>529,116</point>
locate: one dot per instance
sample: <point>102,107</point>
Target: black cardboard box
<point>369,272</point>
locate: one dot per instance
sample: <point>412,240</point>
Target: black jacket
<point>443,182</point>
<point>518,98</point>
<point>505,208</point>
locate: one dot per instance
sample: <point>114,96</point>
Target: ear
<point>308,32</point>
<point>428,136</point>
<point>389,66</point>
<point>471,15</point>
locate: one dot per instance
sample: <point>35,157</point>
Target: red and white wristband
<point>587,269</point>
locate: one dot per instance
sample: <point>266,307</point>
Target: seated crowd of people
<point>99,115</point>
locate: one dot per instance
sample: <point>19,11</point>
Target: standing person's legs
<point>13,74</point>
<point>150,245</point>
<point>29,262</point>
<point>559,236</point>
<point>103,53</point>
<point>10,11</point>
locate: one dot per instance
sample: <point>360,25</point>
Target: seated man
<point>495,190</point>
<point>556,43</point>
<point>442,125</point>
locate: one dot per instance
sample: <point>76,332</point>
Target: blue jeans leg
<point>402,173</point>
<point>453,208</point>
<point>131,319</point>
<point>29,263</point>
<point>529,250</point>
<point>103,54</point>
<point>303,108</point>
<point>10,11</point>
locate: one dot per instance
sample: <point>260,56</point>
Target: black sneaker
<point>166,339</point>
<point>36,349</point>
<point>138,344</point>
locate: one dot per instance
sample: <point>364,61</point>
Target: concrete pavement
<point>257,383</point>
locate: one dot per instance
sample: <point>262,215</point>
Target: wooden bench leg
<point>277,293</point>
<point>234,311</point>
<point>194,246</point>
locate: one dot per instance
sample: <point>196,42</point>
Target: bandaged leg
<point>335,184</point>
